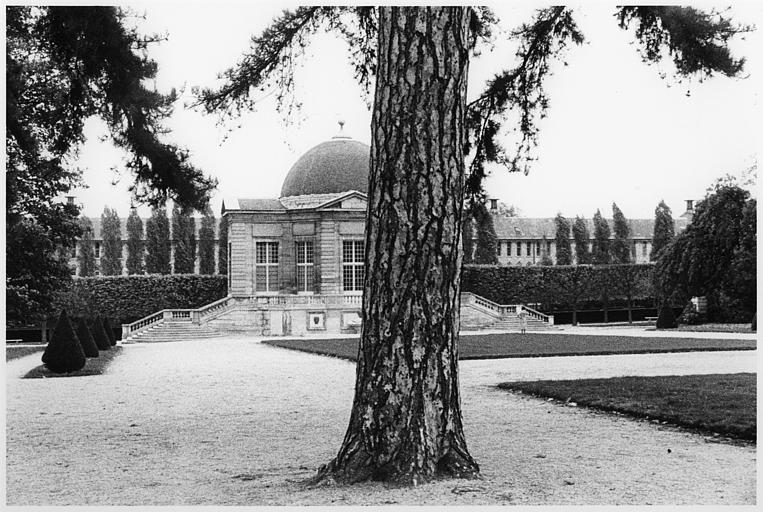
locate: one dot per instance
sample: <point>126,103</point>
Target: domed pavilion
<point>297,261</point>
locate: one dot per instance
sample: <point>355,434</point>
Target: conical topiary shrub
<point>99,334</point>
<point>64,353</point>
<point>86,339</point>
<point>666,319</point>
<point>109,331</point>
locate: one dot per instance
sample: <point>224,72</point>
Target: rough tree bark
<point>405,424</point>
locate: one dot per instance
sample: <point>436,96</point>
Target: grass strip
<point>497,346</point>
<point>720,403</point>
<point>12,352</point>
<point>93,366</point>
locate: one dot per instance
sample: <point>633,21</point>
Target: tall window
<point>352,265</point>
<point>98,249</point>
<point>644,249</point>
<point>529,249</point>
<point>519,248</point>
<point>266,266</point>
<point>305,263</point>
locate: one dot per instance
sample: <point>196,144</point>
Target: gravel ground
<point>236,422</point>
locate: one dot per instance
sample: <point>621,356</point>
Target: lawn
<point>723,404</point>
<point>495,346</point>
<point>12,352</point>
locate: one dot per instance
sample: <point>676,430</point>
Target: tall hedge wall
<point>561,287</point>
<point>129,298</point>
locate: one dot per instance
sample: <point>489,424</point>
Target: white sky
<point>615,131</point>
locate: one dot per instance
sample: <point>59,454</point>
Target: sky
<point>615,130</point>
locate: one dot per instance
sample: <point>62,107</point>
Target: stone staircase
<point>175,331</point>
<point>479,313</point>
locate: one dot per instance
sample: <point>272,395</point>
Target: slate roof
<point>337,165</point>
<point>260,204</point>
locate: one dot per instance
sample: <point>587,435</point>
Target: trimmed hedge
<point>561,288</point>
<point>64,353</point>
<point>128,298</point>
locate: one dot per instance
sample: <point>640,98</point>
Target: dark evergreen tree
<point>64,65</point>
<point>601,242</point>
<point>109,331</point>
<point>183,240</point>
<point>754,323</point>
<point>664,229</point>
<point>666,318</point>
<point>135,243</point>
<point>467,237</point>
<point>158,243</point>
<point>86,249</point>
<point>582,238</point>
<point>207,244</point>
<point>621,245</point>
<point>64,353</point>
<point>222,248</point>
<point>405,424</point>
<point>563,247</point>
<point>487,241</point>
<point>100,336</point>
<point>111,250</point>
<point>86,339</point>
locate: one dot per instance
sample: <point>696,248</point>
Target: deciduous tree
<point>158,243</point>
<point>405,423</point>
<point>562,239</point>
<point>487,241</point>
<point>222,247</point>
<point>207,244</point>
<point>582,238</point>
<point>183,240</point>
<point>600,253</point>
<point>135,243</point>
<point>664,230</point>
<point>621,245</point>
<point>714,256</point>
<point>86,249</point>
<point>111,250</point>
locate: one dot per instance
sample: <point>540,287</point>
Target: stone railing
<point>303,300</point>
<point>549,319</point>
<point>195,316</point>
<point>503,309</point>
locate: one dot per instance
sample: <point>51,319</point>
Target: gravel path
<point>236,422</point>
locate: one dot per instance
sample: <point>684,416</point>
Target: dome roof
<point>337,165</point>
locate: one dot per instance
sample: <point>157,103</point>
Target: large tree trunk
<point>405,424</point>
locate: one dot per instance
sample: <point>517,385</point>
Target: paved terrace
<point>236,422</point>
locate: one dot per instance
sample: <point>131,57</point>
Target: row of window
<point>529,250</point>
<point>266,266</point>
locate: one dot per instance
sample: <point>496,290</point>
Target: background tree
<point>545,257</point>
<point>601,242</point>
<point>86,249</point>
<point>563,248</point>
<point>222,248</point>
<point>664,230</point>
<point>135,243</point>
<point>467,236</point>
<point>158,242</point>
<point>582,238</point>
<point>487,241</point>
<point>207,244</point>
<point>111,250</point>
<point>61,69</point>
<point>508,210</point>
<point>183,239</point>
<point>714,256</point>
<point>405,423</point>
<point>621,245</point>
